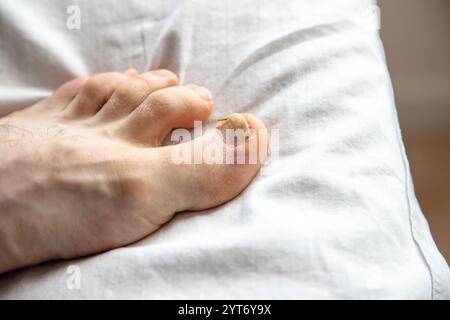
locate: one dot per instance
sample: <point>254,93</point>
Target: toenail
<point>204,93</point>
<point>163,73</point>
<point>235,122</point>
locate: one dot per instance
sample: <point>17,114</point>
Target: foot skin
<point>83,171</point>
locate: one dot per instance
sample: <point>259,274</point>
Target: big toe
<point>216,167</point>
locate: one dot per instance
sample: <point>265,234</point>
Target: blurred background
<point>416,35</point>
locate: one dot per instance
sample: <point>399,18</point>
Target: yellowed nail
<point>236,123</point>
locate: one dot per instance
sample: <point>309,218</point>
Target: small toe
<point>131,72</point>
<point>61,97</point>
<point>94,92</point>
<point>133,92</point>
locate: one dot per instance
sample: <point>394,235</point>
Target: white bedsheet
<point>334,216</point>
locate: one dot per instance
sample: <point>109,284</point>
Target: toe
<point>129,94</point>
<point>159,79</point>
<point>61,97</point>
<point>207,172</point>
<point>164,110</point>
<point>94,92</point>
<point>66,92</point>
<point>131,72</point>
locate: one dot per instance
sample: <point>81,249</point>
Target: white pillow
<point>333,216</point>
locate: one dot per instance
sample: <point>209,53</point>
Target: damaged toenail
<point>234,129</point>
<point>204,93</point>
<point>235,121</point>
<point>163,73</point>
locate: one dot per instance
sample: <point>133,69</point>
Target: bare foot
<point>84,171</point>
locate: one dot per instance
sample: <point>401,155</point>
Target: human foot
<point>84,171</point>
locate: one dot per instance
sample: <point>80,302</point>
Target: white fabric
<point>334,216</point>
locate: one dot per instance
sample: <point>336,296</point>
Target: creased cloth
<point>333,216</point>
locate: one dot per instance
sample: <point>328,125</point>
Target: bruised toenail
<point>234,129</point>
<point>163,73</point>
<point>204,93</point>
